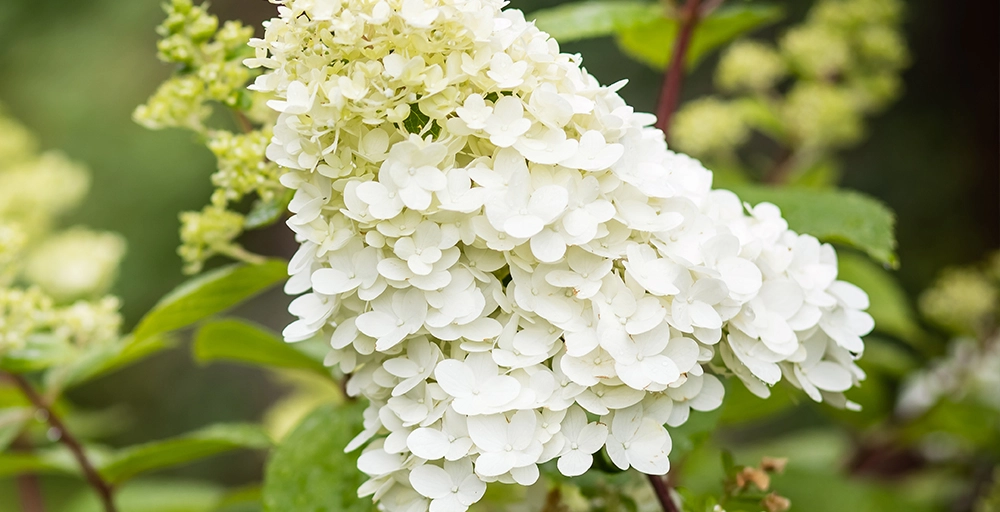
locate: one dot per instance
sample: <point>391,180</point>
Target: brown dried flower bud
<point>774,464</point>
<point>775,503</point>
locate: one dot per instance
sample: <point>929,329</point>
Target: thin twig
<point>94,478</point>
<point>662,490</point>
<point>670,93</point>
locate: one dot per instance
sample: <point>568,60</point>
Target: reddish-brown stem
<point>662,490</point>
<point>30,493</point>
<point>673,80</point>
<point>94,478</point>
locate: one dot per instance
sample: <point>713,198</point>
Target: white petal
<point>431,481</point>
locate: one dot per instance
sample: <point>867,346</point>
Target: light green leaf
<point>12,422</point>
<point>310,471</point>
<point>837,216</point>
<point>154,496</point>
<point>889,305</point>
<point>49,461</point>
<point>584,20</point>
<point>103,359</point>
<point>652,42</point>
<point>234,340</point>
<point>209,294</point>
<point>727,24</point>
<point>179,450</point>
<point>694,432</point>
<point>38,353</point>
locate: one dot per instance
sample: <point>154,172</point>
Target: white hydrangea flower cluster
<point>509,261</point>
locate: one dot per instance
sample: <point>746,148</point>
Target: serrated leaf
<point>209,294</point>
<point>890,306</point>
<point>235,340</point>
<point>837,216</point>
<point>309,469</point>
<point>652,42</point>
<point>101,360</point>
<point>196,445</point>
<point>584,20</point>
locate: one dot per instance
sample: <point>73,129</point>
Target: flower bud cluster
<point>845,59</point>
<point>45,276</point>
<point>211,72</point>
<point>509,261</point>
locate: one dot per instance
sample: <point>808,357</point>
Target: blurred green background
<point>73,71</point>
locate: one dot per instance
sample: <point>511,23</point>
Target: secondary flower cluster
<point>49,281</point>
<point>210,72</point>
<point>509,261</point>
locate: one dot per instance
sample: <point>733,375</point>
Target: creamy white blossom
<point>496,245</point>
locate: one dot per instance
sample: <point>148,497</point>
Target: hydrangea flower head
<point>509,261</point>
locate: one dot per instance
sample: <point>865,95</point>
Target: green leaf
<point>12,422</point>
<point>890,306</point>
<point>584,20</point>
<point>179,450</point>
<point>49,461</point>
<point>38,353</point>
<point>837,216</point>
<point>209,294</point>
<point>694,432</point>
<point>727,24</point>
<point>103,359</point>
<point>154,496</point>
<point>234,340</point>
<point>264,213</point>
<point>310,471</point>
<point>652,42</point>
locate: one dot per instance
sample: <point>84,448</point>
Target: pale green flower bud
<point>709,126</point>
<point>75,263</point>
<point>749,65</point>
<point>207,233</point>
<point>815,51</point>
<point>243,168</point>
<point>89,323</point>
<point>17,144</point>
<point>874,92</point>
<point>884,47</point>
<point>224,81</point>
<point>22,312</point>
<point>179,102</point>
<point>849,14</point>
<point>36,191</point>
<point>960,301</point>
<point>12,242</point>
<point>822,116</point>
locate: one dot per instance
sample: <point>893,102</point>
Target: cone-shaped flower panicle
<point>496,245</point>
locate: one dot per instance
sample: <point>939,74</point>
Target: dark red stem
<point>673,81</point>
<point>662,490</point>
<point>94,478</point>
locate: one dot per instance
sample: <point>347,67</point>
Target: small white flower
<point>476,385</point>
<point>582,441</point>
<point>451,489</point>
